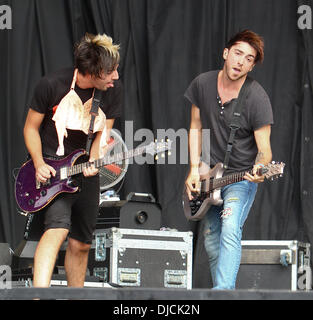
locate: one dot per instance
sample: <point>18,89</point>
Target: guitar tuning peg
<point>162,155</point>
<point>155,140</point>
<point>156,157</point>
<point>169,153</point>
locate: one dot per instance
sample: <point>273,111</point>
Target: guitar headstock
<point>155,148</point>
<point>274,170</point>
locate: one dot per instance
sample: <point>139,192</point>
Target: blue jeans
<point>223,230</point>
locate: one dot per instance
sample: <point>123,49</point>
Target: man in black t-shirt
<point>56,125</point>
<point>212,96</point>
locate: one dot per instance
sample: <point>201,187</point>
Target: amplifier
<point>138,211</point>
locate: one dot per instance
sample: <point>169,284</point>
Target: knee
<point>78,246</point>
<point>231,232</point>
<point>57,234</point>
<point>211,244</point>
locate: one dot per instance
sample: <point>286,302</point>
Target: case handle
<point>136,194</point>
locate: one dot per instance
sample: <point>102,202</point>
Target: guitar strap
<point>94,112</point>
<point>235,123</point>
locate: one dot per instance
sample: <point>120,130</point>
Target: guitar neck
<point>78,168</point>
<point>229,179</point>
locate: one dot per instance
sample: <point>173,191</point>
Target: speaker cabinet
<point>140,213</point>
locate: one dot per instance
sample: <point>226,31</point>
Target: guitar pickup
<point>63,173</point>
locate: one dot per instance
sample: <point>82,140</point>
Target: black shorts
<point>76,212</point>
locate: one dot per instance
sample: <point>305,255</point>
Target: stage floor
<point>141,294</point>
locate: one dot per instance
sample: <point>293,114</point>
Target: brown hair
<point>96,54</point>
<point>254,40</point>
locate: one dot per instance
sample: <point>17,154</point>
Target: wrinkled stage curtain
<point>164,45</point>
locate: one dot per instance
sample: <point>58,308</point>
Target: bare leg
<point>45,256</point>
<point>76,260</point>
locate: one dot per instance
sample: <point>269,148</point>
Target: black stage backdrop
<point>164,45</point>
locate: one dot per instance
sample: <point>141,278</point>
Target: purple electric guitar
<point>32,196</point>
<point>211,182</point>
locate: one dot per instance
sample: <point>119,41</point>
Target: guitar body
<point>32,196</point>
<point>212,180</point>
<point>29,197</point>
<point>197,208</point>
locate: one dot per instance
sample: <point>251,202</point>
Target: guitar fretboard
<point>229,179</point>
<point>78,168</point>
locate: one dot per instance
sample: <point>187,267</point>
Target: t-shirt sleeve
<point>262,113</point>
<point>41,99</point>
<point>112,101</point>
<point>192,93</point>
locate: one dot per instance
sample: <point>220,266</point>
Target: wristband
<point>260,164</point>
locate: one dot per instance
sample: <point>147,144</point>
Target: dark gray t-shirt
<point>256,113</point>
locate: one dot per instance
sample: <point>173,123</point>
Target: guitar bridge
<point>39,184</point>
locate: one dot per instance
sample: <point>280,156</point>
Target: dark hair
<point>253,39</point>
<point>95,55</point>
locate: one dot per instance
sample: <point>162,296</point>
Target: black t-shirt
<point>49,92</point>
<point>256,113</point>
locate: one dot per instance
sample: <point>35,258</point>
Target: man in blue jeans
<point>212,95</point>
